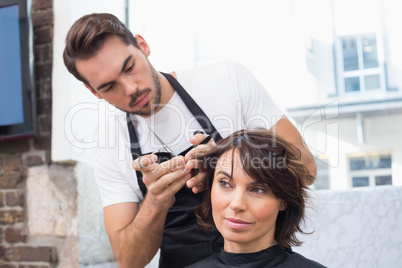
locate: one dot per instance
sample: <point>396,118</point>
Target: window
<point>309,53</point>
<point>322,180</point>
<point>370,170</point>
<point>361,69</point>
<point>204,47</point>
<point>17,90</point>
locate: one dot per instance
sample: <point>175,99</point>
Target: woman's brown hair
<point>271,161</point>
<point>87,35</point>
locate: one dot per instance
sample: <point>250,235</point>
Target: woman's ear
<point>283,206</point>
<point>143,44</point>
<point>93,91</point>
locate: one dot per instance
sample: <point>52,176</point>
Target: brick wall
<point>18,155</point>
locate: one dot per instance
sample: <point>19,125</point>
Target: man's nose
<point>129,86</point>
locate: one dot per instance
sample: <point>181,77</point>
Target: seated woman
<point>256,199</point>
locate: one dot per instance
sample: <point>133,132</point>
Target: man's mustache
<point>137,95</point>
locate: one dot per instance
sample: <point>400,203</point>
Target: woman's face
<point>244,211</point>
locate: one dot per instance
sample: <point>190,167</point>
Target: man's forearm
<point>308,159</point>
<point>137,243</point>
<point>286,130</point>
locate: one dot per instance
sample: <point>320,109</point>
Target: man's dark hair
<point>87,36</point>
<point>278,166</point>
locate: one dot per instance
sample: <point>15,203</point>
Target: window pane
<point>372,81</point>
<point>203,46</point>
<point>357,163</point>
<point>360,181</point>
<point>321,182</point>
<point>383,180</point>
<point>11,101</point>
<point>352,84</point>
<point>385,162</point>
<point>370,59</point>
<point>322,179</point>
<point>370,162</point>
<point>350,58</point>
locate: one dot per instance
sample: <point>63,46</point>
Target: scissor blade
<point>163,144</point>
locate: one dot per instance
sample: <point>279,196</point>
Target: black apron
<point>182,244</point>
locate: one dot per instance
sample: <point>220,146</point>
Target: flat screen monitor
<point>17,91</point>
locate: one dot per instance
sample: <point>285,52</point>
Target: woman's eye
<point>224,184</point>
<point>258,190</point>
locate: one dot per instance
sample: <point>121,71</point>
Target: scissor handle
<point>195,171</point>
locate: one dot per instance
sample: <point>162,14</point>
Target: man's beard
<point>157,100</point>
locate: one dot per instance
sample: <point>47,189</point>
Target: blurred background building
<point>354,65</point>
<point>334,66</point>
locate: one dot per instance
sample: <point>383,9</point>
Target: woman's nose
<point>238,201</point>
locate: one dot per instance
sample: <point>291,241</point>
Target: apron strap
<point>191,105</point>
<point>135,152</point>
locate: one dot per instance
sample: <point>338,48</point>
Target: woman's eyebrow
<point>224,173</point>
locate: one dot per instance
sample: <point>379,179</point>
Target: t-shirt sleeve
<point>258,108</point>
<point>113,186</point>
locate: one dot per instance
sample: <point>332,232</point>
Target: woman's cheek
<point>217,203</point>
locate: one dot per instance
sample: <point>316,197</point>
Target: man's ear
<point>93,91</point>
<point>143,45</point>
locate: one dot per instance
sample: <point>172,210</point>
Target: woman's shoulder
<point>211,261</point>
<point>294,259</point>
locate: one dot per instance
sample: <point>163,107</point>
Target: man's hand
<point>163,180</point>
<point>197,183</point>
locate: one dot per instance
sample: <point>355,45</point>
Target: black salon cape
<point>274,256</point>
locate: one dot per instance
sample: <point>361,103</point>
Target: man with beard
<point>152,206</point>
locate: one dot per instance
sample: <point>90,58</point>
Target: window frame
<point>361,73</point>
<point>370,173</point>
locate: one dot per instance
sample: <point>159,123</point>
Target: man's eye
<point>129,68</point>
<point>109,88</point>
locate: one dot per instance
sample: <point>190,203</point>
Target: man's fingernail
<point>180,160</point>
<point>187,177</point>
<point>184,170</point>
<point>154,158</point>
<point>193,138</point>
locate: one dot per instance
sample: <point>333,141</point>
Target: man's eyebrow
<point>125,63</point>
<point>122,70</point>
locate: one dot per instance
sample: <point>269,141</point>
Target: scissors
<point>169,151</point>
<point>172,154</point>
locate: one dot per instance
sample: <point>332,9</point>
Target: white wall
<point>355,228</point>
<point>75,109</point>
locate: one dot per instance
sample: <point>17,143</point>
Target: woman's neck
<point>235,247</point>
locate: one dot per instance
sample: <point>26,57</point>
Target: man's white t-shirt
<point>228,94</point>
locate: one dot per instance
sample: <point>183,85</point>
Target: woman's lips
<point>142,100</point>
<point>237,223</point>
